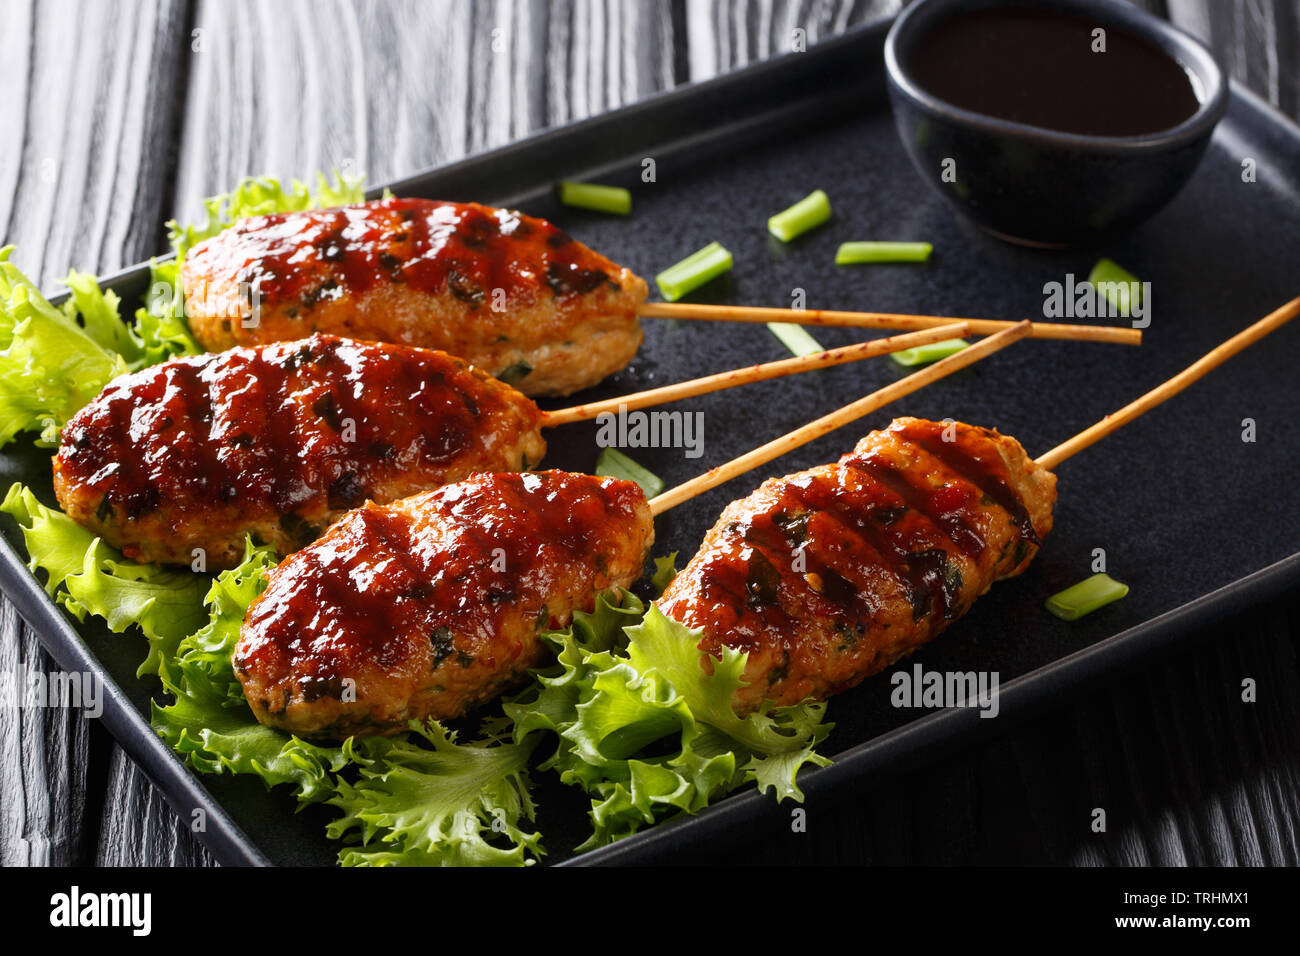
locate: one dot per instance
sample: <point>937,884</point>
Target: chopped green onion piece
<point>1086,596</point>
<point>808,213</point>
<point>854,253</point>
<point>515,373</point>
<point>1117,284</point>
<point>693,271</point>
<point>594,196</point>
<point>925,354</point>
<point>612,463</point>
<point>795,338</point>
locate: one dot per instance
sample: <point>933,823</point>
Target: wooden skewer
<point>828,423</point>
<point>880,320</point>
<point>1160,393</point>
<point>754,373</point>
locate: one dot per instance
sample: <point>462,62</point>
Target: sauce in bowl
<point>1039,67</point>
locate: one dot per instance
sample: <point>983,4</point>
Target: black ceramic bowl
<point>1039,186</point>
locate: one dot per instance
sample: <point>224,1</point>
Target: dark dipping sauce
<point>1037,67</point>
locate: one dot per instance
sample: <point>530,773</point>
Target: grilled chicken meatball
<point>512,294</point>
<point>830,575</point>
<point>277,442</point>
<point>432,605</point>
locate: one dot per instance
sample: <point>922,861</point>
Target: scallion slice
<point>925,354</point>
<point>856,253</point>
<point>594,196</point>
<point>1117,284</point>
<point>1086,596</point>
<point>808,213</point>
<point>693,271</point>
<point>612,463</point>
<point>795,338</point>
<point>515,373</point>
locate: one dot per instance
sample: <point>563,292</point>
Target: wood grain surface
<point>120,114</point>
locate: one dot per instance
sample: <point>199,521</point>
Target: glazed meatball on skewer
<point>279,440</point>
<point>432,605</point>
<point>276,442</point>
<point>511,294</point>
<point>830,575</point>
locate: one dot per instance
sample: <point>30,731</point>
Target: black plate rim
<point>229,844</point>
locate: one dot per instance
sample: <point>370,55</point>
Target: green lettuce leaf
<point>160,325</point>
<point>665,572</point>
<point>55,360</point>
<point>645,731</point>
<point>661,646</point>
<point>261,196</point>
<point>210,724</point>
<point>86,576</point>
<point>99,314</point>
<point>445,804</point>
<point>50,366</point>
<point>158,332</point>
<point>215,739</point>
<point>200,669</point>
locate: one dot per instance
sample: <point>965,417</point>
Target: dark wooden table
<point>119,115</point>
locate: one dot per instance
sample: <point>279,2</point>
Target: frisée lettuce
<point>261,196</point>
<point>645,731</point>
<point>429,801</point>
<point>637,723</point>
<point>209,723</point>
<point>50,365</point>
<point>86,576</point>
<point>54,360</point>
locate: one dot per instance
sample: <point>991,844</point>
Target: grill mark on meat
<point>569,279</point>
<point>327,409</point>
<point>265,427</point>
<point>406,577</point>
<point>919,500</point>
<point>289,480</point>
<point>190,402</point>
<point>346,491</point>
<point>479,231</point>
<point>992,481</point>
<point>727,583</point>
<point>771,540</point>
<point>465,289</point>
<point>915,571</point>
<point>846,600</point>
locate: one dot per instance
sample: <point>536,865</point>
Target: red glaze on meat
<point>830,575</point>
<point>277,442</point>
<point>429,606</point>
<point>511,294</point>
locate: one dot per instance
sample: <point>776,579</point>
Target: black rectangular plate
<point>1197,521</point>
